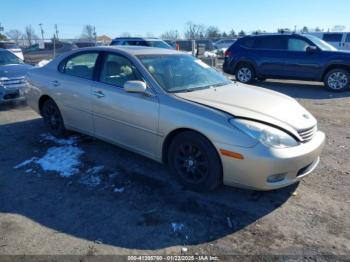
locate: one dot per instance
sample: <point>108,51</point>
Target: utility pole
<point>42,31</point>
<point>56,31</point>
<point>95,36</point>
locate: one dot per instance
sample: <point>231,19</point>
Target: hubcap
<point>244,74</point>
<point>337,80</point>
<point>191,163</point>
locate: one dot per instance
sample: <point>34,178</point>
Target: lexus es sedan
<point>12,72</point>
<point>175,109</point>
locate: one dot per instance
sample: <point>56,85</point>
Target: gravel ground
<point>132,205</point>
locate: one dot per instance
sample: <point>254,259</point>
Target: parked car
<point>12,47</point>
<point>12,72</point>
<point>340,40</point>
<point>140,41</point>
<point>288,56</point>
<point>34,54</point>
<point>224,43</point>
<point>175,109</point>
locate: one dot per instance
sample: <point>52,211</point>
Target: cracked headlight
<point>267,135</point>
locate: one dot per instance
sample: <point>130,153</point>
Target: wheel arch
<point>245,61</point>
<point>169,138</point>
<point>42,100</point>
<point>334,66</point>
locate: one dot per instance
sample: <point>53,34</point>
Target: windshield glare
<point>182,73</point>
<point>324,46</point>
<point>7,58</point>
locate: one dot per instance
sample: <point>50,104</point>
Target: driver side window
<point>295,44</point>
<point>117,70</point>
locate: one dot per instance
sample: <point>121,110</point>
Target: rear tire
<point>53,118</point>
<point>337,80</point>
<point>245,73</point>
<point>195,161</point>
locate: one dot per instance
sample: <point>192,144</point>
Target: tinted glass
<point>347,38</point>
<point>8,45</point>
<point>7,58</point>
<point>159,44</point>
<point>182,73</point>
<point>247,42</point>
<point>295,44</point>
<point>269,42</point>
<point>117,70</point>
<point>332,37</point>
<point>81,65</point>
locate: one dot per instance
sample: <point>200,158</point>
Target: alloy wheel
<point>244,74</point>
<point>337,80</point>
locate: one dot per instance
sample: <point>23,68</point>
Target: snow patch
<point>176,227</point>
<point>63,160</point>
<point>119,190</point>
<point>59,141</point>
<point>25,163</point>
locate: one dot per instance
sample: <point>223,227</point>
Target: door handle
<point>55,83</point>
<point>98,94</point>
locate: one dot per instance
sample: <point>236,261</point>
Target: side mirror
<point>136,87</point>
<point>311,49</point>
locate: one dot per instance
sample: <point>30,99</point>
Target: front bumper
<point>260,163</point>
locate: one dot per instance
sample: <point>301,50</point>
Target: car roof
<point>135,50</point>
<point>138,38</point>
<point>275,34</point>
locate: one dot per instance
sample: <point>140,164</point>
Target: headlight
<point>267,135</point>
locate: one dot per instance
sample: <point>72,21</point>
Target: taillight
<point>227,53</point>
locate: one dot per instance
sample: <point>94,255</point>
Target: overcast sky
<point>114,17</point>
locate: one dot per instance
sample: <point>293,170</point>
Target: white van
<point>340,40</point>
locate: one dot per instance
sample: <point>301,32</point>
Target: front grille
<point>13,83</point>
<point>307,134</point>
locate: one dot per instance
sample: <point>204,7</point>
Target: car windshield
<point>159,44</point>
<point>7,58</point>
<point>182,73</point>
<point>324,46</point>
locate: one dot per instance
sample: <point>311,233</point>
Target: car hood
<point>14,70</point>
<point>255,103</point>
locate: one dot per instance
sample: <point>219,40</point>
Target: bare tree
<point>213,31</point>
<point>125,34</point>
<point>15,35</point>
<point>29,34</point>
<point>232,33</point>
<point>194,31</point>
<point>241,33</point>
<point>305,29</point>
<point>170,35</point>
<point>88,33</point>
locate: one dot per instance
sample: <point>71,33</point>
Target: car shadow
<point>300,89</point>
<point>151,211</point>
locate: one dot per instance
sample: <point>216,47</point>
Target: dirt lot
<point>122,203</point>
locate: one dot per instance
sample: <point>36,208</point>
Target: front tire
<point>245,73</point>
<point>195,161</point>
<point>337,80</point>
<point>53,118</point>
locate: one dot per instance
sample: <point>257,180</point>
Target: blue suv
<point>288,56</point>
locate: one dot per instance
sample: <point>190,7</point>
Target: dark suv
<point>288,56</point>
<point>140,41</point>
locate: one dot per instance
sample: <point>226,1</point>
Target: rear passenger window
<point>81,65</point>
<point>269,42</point>
<point>117,70</point>
<point>247,42</point>
<point>332,37</point>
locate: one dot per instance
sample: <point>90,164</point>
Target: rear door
<point>270,55</point>
<point>347,41</point>
<point>73,85</point>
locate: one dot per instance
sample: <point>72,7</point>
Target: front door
<point>127,119</point>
